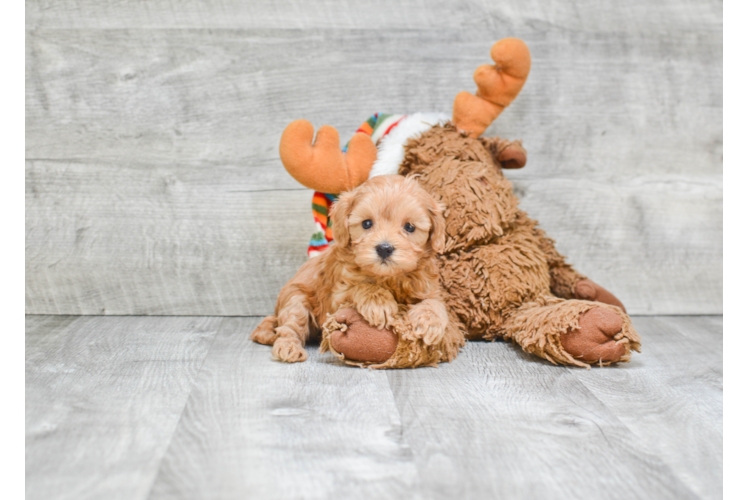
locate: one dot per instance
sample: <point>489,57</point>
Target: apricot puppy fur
<point>387,233</point>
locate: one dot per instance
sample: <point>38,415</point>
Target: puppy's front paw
<point>289,350</point>
<point>378,313</point>
<point>427,324</point>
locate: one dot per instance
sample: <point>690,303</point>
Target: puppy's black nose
<point>384,250</point>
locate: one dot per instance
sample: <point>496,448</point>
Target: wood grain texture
<point>263,429</point>
<point>161,240</point>
<point>678,381</point>
<point>102,417</point>
<point>211,240</point>
<point>520,428</point>
<point>495,423</point>
<point>619,105</point>
<point>103,396</point>
<point>732,43</point>
<point>735,255</point>
<point>129,103</point>
<point>575,15</point>
<point>736,407</point>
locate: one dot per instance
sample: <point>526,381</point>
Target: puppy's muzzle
<point>384,250</point>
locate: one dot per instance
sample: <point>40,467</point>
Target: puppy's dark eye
<point>409,227</point>
<point>367,224</point>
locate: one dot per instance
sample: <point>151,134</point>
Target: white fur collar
<point>391,148</point>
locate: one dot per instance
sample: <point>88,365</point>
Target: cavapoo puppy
<point>381,269</point>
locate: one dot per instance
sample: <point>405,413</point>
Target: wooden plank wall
<point>153,183</point>
<point>733,146</point>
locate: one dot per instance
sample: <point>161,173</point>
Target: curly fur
<point>499,269</point>
<point>400,292</point>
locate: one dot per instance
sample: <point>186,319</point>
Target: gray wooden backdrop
<point>153,183</point>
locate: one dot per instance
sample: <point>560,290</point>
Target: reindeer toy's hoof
<point>355,342</point>
<point>349,335</point>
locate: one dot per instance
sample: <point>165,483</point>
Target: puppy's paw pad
<point>289,351</point>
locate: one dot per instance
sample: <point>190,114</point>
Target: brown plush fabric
<point>461,174</point>
<point>539,325</point>
<point>503,275</point>
<point>485,282</point>
<point>563,277</point>
<point>409,352</point>
<point>589,290</point>
<point>352,336</point>
<point>598,338</point>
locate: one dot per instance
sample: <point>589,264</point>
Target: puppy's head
<point>389,223</point>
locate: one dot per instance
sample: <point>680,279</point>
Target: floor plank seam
<point>635,437</point>
<point>402,439</point>
<point>181,413</point>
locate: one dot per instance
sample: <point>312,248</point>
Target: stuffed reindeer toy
<point>501,274</point>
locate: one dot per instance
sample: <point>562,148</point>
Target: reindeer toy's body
<point>503,276</point>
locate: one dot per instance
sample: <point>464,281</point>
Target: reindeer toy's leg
<point>566,282</point>
<point>595,329</point>
<point>575,332</point>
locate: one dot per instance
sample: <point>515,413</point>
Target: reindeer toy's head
<point>322,166</point>
<point>379,146</point>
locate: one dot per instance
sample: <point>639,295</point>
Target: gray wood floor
<point>187,407</point>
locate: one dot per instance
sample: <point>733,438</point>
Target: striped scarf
<point>377,126</point>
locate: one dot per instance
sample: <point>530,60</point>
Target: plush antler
<point>321,165</point>
<point>497,87</point>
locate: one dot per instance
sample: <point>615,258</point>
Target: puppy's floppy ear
<point>437,237</point>
<point>341,209</point>
<point>438,226</point>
